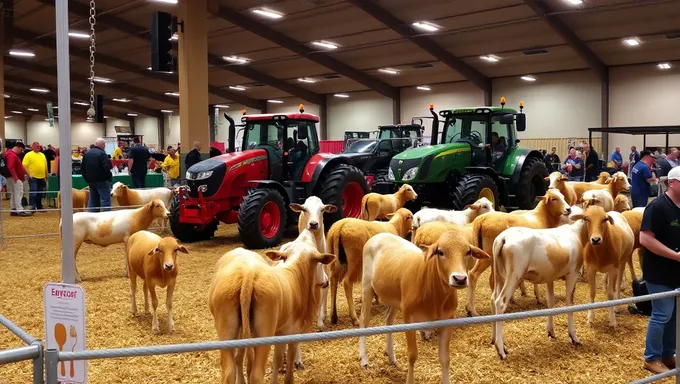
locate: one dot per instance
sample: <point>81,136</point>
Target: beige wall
<point>362,111</point>
<point>15,128</point>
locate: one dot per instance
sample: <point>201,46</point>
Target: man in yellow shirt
<point>171,164</point>
<point>118,152</point>
<point>35,163</point>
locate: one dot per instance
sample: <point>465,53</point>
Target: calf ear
<point>329,208</point>
<point>547,178</point>
<point>297,207</point>
<point>610,218</point>
<point>474,207</point>
<point>576,217</point>
<point>276,255</point>
<point>478,253</point>
<point>609,180</point>
<point>154,251</point>
<point>565,178</point>
<point>182,249</point>
<point>389,215</point>
<point>323,258</point>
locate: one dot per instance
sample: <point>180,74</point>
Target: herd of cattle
<point>576,229</point>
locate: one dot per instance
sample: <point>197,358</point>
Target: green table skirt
<point>153,179</point>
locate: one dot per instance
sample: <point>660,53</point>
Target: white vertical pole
<point>65,181</point>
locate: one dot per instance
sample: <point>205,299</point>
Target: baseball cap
<point>647,153</point>
<point>674,174</point>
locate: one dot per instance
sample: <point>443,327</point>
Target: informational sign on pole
<point>65,328</point>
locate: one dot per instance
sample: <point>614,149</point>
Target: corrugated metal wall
<point>562,145</point>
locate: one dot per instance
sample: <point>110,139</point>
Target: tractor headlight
<point>390,175</point>
<point>199,175</point>
<point>410,174</point>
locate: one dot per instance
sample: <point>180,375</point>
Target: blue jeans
<point>660,340</point>
<point>100,196</point>
<point>35,197</point>
<point>639,200</point>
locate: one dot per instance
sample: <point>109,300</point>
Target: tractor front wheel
<point>531,183</point>
<point>186,232</point>
<point>262,218</point>
<point>343,186</point>
<point>473,187</point>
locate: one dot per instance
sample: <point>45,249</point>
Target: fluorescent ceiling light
<point>632,41</point>
<point>106,117</point>
<point>490,58</point>
<point>325,44</point>
<point>341,95</point>
<point>306,80</point>
<point>40,90</point>
<point>426,26</point>
<point>275,101</point>
<point>268,13</point>
<point>32,109</point>
<point>167,1</point>
<point>166,111</point>
<point>79,35</point>
<point>21,53</point>
<point>149,68</point>
<point>132,114</point>
<point>222,106</point>
<point>237,88</point>
<point>7,117</point>
<point>664,66</point>
<point>55,107</point>
<point>528,78</point>
<point>81,103</point>
<point>174,37</point>
<point>575,2</point>
<point>104,80</point>
<point>423,88</point>
<point>388,70</point>
<point>235,59</point>
<point>176,94</point>
<point>123,100</point>
<point>17,112</point>
<point>7,96</point>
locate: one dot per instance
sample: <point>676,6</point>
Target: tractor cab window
<point>500,134</point>
<point>467,129</point>
<point>265,133</point>
<point>300,144</point>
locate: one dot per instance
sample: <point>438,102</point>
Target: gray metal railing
<point>32,351</point>
<point>53,356</point>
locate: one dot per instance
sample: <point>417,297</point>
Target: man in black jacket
<point>194,156</point>
<point>592,162</point>
<point>96,171</point>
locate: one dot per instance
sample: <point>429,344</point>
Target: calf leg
<point>239,353</point>
<point>334,279</point>
<point>168,305</point>
<point>277,362</point>
<point>348,287</point>
<point>480,266</point>
<point>389,320</point>
<point>145,288</point>
<point>550,299</point>
<point>322,309</point>
<point>412,348</point>
<point>367,295</point>
<point>154,307</point>
<point>613,291</point>
<point>537,294</point>
<point>292,348</point>
<point>227,323</point>
<point>501,304</point>
<point>133,292</point>
<point>569,294</point>
<point>444,353</point>
<point>298,357</point>
<point>592,280</point>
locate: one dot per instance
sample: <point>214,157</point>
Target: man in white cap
<point>661,272</point>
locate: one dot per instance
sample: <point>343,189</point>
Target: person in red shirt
<point>16,182</point>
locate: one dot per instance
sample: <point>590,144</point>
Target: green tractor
<point>477,156</point>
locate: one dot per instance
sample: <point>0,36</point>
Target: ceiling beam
<point>544,11</point>
<point>20,104</point>
<point>133,107</point>
<point>425,43</point>
<point>322,59</point>
<point>81,79</point>
<point>113,62</point>
<point>131,29</point>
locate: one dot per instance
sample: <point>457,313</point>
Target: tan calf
<point>559,181</point>
<point>377,206</point>
<point>615,184</point>
<point>422,284</point>
<point>154,260</point>
<point>634,219</point>
<point>80,198</point>
<point>346,240</point>
<point>602,178</point>
<point>622,203</point>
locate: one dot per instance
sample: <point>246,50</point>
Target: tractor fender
<point>272,184</point>
<point>514,180</point>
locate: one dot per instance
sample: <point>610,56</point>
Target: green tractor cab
<point>475,156</point>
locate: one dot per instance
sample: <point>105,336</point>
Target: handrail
<point>15,329</point>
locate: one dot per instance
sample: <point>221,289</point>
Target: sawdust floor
<point>605,356</point>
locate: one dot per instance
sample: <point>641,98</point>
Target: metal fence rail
<point>32,351</point>
<point>53,356</point>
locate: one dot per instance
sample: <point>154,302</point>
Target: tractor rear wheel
<point>343,186</point>
<point>262,218</point>
<point>186,232</point>
<point>473,187</point>
<point>531,183</point>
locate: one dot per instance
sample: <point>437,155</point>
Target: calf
<point>127,197</point>
<point>112,227</point>
<point>540,256</point>
<point>377,206</point>
<point>602,178</point>
<point>598,197</point>
<point>463,217</point>
<point>392,265</point>
<point>154,260</point>
<point>615,184</point>
<point>559,181</point>
<point>80,198</point>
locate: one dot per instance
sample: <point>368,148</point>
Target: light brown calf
<point>615,184</point>
<point>559,181</point>
<point>80,198</point>
<point>377,206</point>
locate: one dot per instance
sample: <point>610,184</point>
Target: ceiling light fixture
<point>79,35</point>
<point>21,53</point>
<point>7,96</point>
<point>167,1</point>
<point>528,78</point>
<point>40,90</point>
<point>148,68</point>
<point>84,104</point>
<point>632,41</point>
<point>388,70</point>
<point>325,44</point>
<point>237,88</point>
<point>235,59</point>
<point>222,106</point>
<point>268,13</point>
<point>575,2</point>
<point>176,94</point>
<point>106,117</point>
<point>664,66</point>
<point>17,112</point>
<point>424,88</point>
<point>166,111</point>
<point>174,37</point>
<point>32,109</point>
<point>132,114</point>
<point>104,80</point>
<point>426,26</point>
<point>490,58</point>
<point>306,80</point>
<point>275,101</point>
<point>123,100</point>
<point>7,117</point>
<point>341,95</point>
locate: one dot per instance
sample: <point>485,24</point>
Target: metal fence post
<point>38,365</point>
<point>51,363</point>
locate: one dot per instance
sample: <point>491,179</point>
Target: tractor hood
<point>230,161</point>
<point>429,163</point>
<point>439,149</point>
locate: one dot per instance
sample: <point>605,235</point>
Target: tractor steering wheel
<point>452,139</point>
<point>477,136</point>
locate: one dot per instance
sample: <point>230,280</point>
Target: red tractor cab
<point>279,163</point>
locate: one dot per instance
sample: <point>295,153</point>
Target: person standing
<point>36,169</point>
<point>194,156</point>
<point>552,161</point>
<point>617,159</point>
<point>661,272</point>
<point>664,166</point>
<point>641,177</point>
<point>138,163</point>
<point>50,155</point>
<point>118,152</point>
<point>15,183</point>
<point>592,162</point>
<point>171,164</point>
<point>96,171</point>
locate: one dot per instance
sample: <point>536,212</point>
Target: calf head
<point>590,200</point>
<point>311,213</point>
<point>555,203</point>
<point>156,208</point>
<point>407,192</point>
<point>602,179</point>
<point>403,220</point>
<point>451,254</point>
<point>307,254</point>
<point>118,189</point>
<point>620,182</point>
<point>480,207</point>
<point>556,180</point>
<point>167,250</point>
<point>597,223</point>
<point>621,203</point>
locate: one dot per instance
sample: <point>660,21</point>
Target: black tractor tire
<point>186,232</point>
<point>531,183</point>
<point>251,215</point>
<point>332,187</point>
<point>469,188</point>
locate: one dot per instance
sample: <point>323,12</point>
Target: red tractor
<point>279,163</point>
